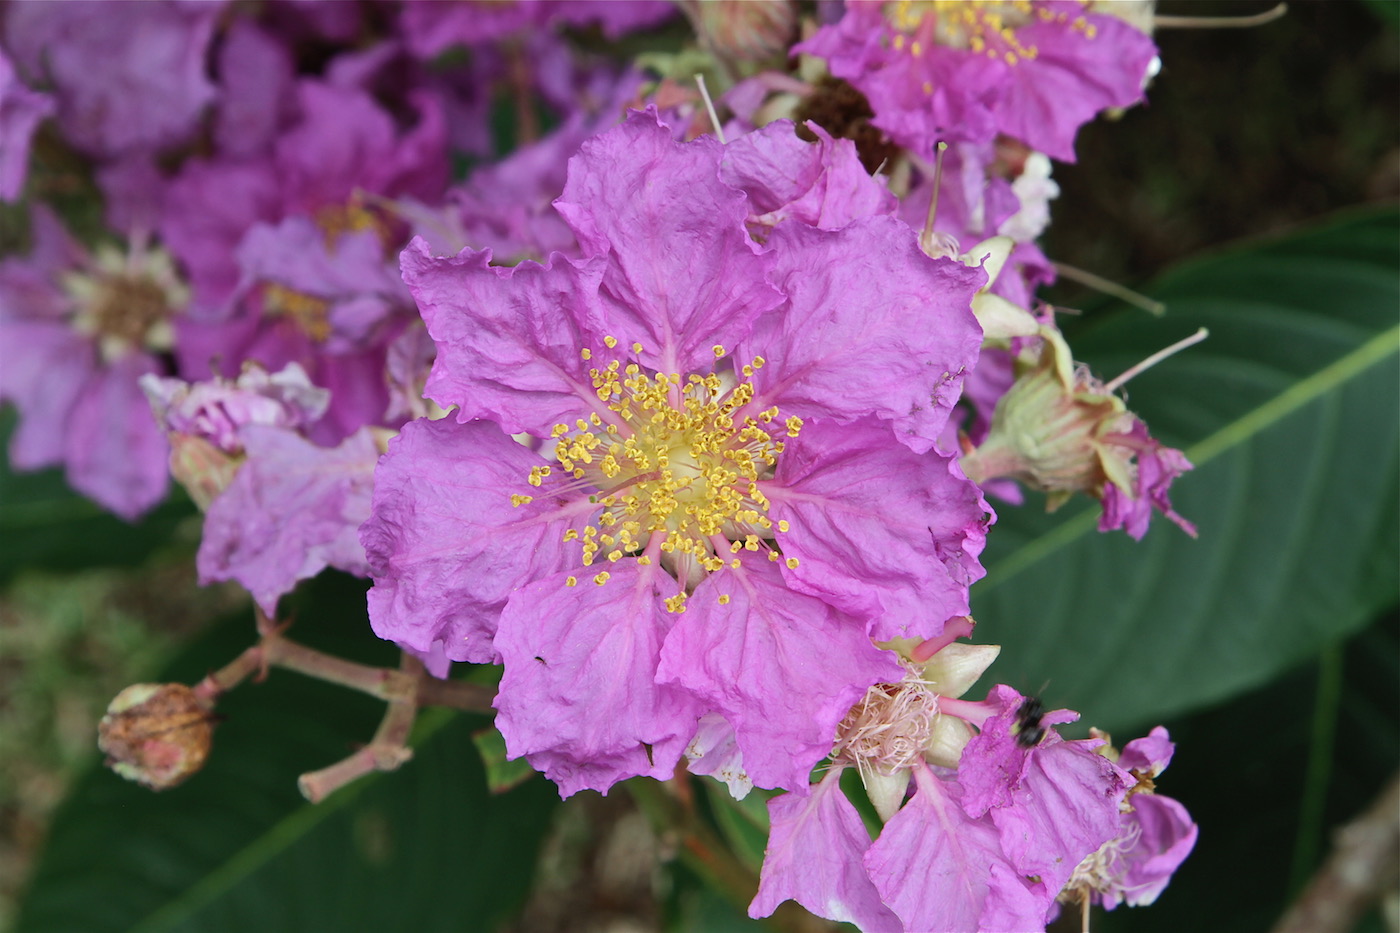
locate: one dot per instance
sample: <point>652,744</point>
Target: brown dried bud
<point>156,734</point>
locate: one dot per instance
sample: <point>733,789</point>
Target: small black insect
<point>1028,729</point>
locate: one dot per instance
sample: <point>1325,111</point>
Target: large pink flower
<point>730,487</point>
<point>1035,70</point>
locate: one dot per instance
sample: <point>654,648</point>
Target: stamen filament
<point>1154,359</point>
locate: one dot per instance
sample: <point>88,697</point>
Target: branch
<point>1364,865</point>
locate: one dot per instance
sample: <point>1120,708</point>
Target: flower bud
<point>156,734</point>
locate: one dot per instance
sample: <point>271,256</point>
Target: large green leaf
<point>426,848</point>
<point>45,524</point>
<point>1289,412</point>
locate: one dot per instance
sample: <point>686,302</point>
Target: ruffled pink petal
<point>1165,836</point>
<point>1084,63</point>
<point>580,696</point>
<point>935,865</point>
<point>714,751</point>
<point>683,274</point>
<point>872,327</point>
<point>1066,807</point>
<point>292,510</point>
<point>1150,754</point>
<point>814,857</point>
<point>877,529</point>
<point>509,343</point>
<point>781,666</point>
<point>822,184</point>
<point>994,763</point>
<point>445,546</point>
<point>115,452</point>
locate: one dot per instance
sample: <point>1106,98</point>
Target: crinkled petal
<point>45,370</point>
<point>1166,835</point>
<point>292,510</point>
<point>993,765</point>
<point>116,454</point>
<point>715,751</point>
<point>781,666</point>
<point>21,110</point>
<point>814,857</point>
<point>580,696</point>
<point>1157,468</point>
<point>934,865</point>
<point>127,76</point>
<point>1084,63</point>
<point>683,274</point>
<point>822,184</point>
<point>1150,754</point>
<point>1067,807</point>
<point>207,209</point>
<point>877,529</point>
<point>256,73</point>
<point>509,343</point>
<point>872,327</point>
<point>446,549</point>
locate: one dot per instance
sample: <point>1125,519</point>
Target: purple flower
<point>986,846</point>
<point>20,112</point>
<point>815,856</point>
<point>126,76</point>
<point>79,330</point>
<point>730,488</point>
<point>1155,835</point>
<point>967,72</point>
<point>291,252</point>
<point>1059,429</point>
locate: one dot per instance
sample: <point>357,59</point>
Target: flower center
<point>984,27</point>
<point>887,730</point>
<point>126,302</point>
<point>676,463</point>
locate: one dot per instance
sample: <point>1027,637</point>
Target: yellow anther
<point>636,347</point>
<point>517,500</point>
<point>783,524</point>
<point>751,542</point>
<point>586,353</point>
<point>610,341</point>
<point>719,350</point>
<point>758,363</point>
<point>676,603</point>
<point>916,48</point>
<point>773,556</point>
<point>724,599</point>
<point>571,581</point>
<point>644,560</point>
<point>614,556</point>
<point>794,425</point>
<point>736,563</point>
<point>791,563</point>
<point>602,578</point>
<point>898,40</point>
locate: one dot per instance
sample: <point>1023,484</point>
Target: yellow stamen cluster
<point>985,27</point>
<point>310,313</point>
<point>678,463</point>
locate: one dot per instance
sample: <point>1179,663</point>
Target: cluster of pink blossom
<point>688,425</point>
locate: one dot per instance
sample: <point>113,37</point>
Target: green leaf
<point>501,775</point>
<point>46,525</point>
<point>235,848</point>
<point>1289,412</point>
